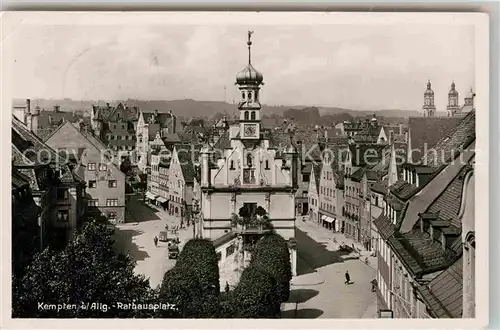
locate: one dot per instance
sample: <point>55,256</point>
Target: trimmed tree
<point>255,295</point>
<point>199,256</point>
<point>193,284</point>
<point>271,254</point>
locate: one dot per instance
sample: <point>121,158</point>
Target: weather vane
<point>249,43</point>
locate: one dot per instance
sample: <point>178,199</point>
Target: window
<point>267,164</point>
<point>91,166</point>
<point>305,177</point>
<point>111,202</point>
<point>103,167</point>
<point>243,95</point>
<point>92,184</point>
<point>111,216</point>
<point>93,202</point>
<point>249,96</point>
<point>62,193</point>
<point>229,250</point>
<point>252,207</point>
<point>231,166</point>
<point>112,183</point>
<point>63,215</point>
<point>246,115</point>
<point>252,116</point>
<point>256,95</point>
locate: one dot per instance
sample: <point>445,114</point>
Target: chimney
<point>156,113</point>
<point>56,108</point>
<point>107,105</point>
<point>28,106</point>
<point>326,134</point>
<point>401,129</point>
<point>391,137</point>
<point>170,112</point>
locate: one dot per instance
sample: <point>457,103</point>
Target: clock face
<point>250,130</point>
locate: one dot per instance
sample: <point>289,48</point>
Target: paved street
<point>143,223</point>
<point>319,290</point>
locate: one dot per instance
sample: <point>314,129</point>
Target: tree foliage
<point>199,256</point>
<point>250,217</point>
<point>255,295</point>
<point>87,270</point>
<point>271,254</point>
<point>193,284</point>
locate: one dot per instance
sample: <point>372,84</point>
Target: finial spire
<point>249,43</point>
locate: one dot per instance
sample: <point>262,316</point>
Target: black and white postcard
<point>240,169</point>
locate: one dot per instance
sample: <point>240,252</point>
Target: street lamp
<point>195,209</point>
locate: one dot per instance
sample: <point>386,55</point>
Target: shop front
<point>328,222</point>
<point>150,197</point>
<point>162,202</point>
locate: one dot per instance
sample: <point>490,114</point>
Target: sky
<point>365,67</point>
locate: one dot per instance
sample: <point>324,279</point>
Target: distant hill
<point>191,108</point>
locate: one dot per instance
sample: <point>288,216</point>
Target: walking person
<point>347,278</point>
<point>155,240</point>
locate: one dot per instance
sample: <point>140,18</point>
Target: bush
<point>199,256</point>
<point>255,295</point>
<point>271,254</point>
<point>193,284</point>
<point>182,290</point>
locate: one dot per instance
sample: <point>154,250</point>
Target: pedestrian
<point>347,277</point>
<point>227,287</point>
<point>156,241</point>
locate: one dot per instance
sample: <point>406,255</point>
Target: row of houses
<point>413,206</point>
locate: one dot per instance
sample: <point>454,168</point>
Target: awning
<point>150,195</point>
<point>327,218</point>
<point>161,199</point>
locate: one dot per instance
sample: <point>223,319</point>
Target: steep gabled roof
<point>188,156</point>
<point>366,154</point>
<point>427,131</point>
<point>448,146</point>
<point>443,294</point>
<point>19,179</point>
<point>30,145</point>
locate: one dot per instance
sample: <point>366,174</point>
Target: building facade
<point>249,172</point>
<point>149,125</point>
<point>421,269</point>
<point>105,181</point>
<point>313,193</point>
<point>57,189</point>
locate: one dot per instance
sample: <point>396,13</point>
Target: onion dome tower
<point>453,108</point>
<point>249,81</point>
<point>429,107</point>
